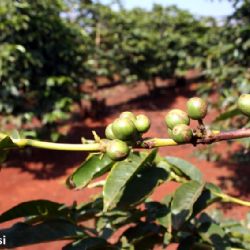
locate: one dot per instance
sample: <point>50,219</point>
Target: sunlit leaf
<point>183,200</point>
<point>93,167</point>
<point>186,168</point>
<point>144,182</point>
<point>121,174</point>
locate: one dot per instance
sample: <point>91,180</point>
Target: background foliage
<point>49,48</point>
<point>42,59</point>
<point>47,51</point>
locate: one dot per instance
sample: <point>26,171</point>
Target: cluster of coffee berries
<point>124,131</point>
<point>127,129</point>
<point>178,121</point>
<point>244,104</point>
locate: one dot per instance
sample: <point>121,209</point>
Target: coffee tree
<point>42,57</point>
<point>123,41</point>
<point>225,66</point>
<point>48,48</point>
<point>131,169</point>
<point>226,63</point>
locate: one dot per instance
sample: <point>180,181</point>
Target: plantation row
<point>48,49</point>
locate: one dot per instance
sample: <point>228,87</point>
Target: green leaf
<point>162,163</point>
<point>167,239</point>
<point>215,235</point>
<point>3,156</point>
<point>186,168</point>
<point>121,174</point>
<point>88,210</point>
<point>247,221</point>
<point>183,200</point>
<point>15,134</point>
<point>141,231</point>
<point>164,218</point>
<point>93,167</point>
<point>22,234</point>
<point>7,143</point>
<point>240,232</point>
<point>34,208</point>
<point>206,198</point>
<point>144,182</point>
<point>91,243</point>
<point>227,115</point>
<point>117,218</point>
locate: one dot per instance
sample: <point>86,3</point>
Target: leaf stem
<point>177,178</point>
<point>228,198</point>
<point>93,147</point>
<point>224,197</point>
<point>157,142</point>
<point>100,183</point>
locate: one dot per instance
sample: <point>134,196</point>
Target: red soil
<point>42,175</point>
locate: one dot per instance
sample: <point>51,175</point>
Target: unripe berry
<point>117,150</point>
<point>142,123</point>
<point>109,132</point>
<point>170,133</point>
<point>244,104</point>
<point>123,128</point>
<point>182,133</point>
<point>196,108</point>
<point>175,117</point>
<point>129,115</point>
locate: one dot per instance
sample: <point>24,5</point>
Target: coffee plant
<point>124,41</point>
<point>37,68</point>
<point>42,57</point>
<point>226,64</point>
<point>131,169</point>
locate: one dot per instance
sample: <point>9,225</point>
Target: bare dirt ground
<point>41,175</point>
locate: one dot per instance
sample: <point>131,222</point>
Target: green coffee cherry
<point>175,117</point>
<point>117,150</point>
<point>182,133</point>
<point>170,133</point>
<point>244,104</point>
<point>109,132</point>
<point>142,123</point>
<point>123,129</point>
<point>196,108</point>
<point>129,115</point>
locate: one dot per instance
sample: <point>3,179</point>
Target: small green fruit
<point>142,123</point>
<point>170,133</point>
<point>117,150</point>
<point>244,104</point>
<point>123,129</point>
<point>129,115</point>
<point>109,132</point>
<point>182,133</point>
<point>196,108</point>
<point>175,117</point>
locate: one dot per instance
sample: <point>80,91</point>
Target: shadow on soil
<point>151,100</point>
<point>49,164</point>
<point>238,164</point>
<point>160,99</point>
